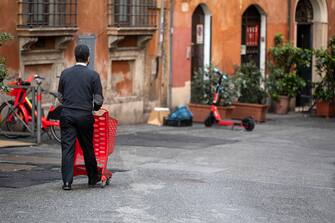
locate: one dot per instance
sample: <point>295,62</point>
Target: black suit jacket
<point>80,88</point>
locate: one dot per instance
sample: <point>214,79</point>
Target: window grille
<point>304,13</point>
<point>47,13</point>
<point>132,13</point>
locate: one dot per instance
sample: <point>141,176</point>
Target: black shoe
<point>93,182</point>
<point>66,186</point>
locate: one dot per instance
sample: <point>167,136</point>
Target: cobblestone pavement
<point>283,171</point>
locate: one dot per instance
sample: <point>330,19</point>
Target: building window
<point>304,13</point>
<point>251,30</point>
<point>122,12</point>
<point>132,13</point>
<point>39,11</point>
<point>47,13</point>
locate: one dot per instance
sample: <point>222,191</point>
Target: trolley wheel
<point>103,181</point>
<point>210,120</point>
<point>248,123</point>
<point>103,184</point>
<point>108,181</point>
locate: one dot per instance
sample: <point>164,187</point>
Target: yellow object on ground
<point>14,143</point>
<point>156,117</point>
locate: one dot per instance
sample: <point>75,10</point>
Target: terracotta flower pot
<point>256,111</point>
<point>201,112</point>
<point>282,106</point>
<point>325,109</point>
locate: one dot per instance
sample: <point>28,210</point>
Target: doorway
<point>251,26</point>
<point>304,19</point>
<point>201,37</point>
<point>304,41</point>
<point>198,25</point>
<point>201,40</point>
<point>253,33</point>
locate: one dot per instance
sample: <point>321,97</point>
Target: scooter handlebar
<point>221,74</point>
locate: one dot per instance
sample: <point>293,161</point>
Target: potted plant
<point>283,82</point>
<point>251,101</point>
<point>324,90</point>
<point>202,91</point>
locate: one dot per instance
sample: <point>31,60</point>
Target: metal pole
<point>163,81</point>
<point>33,93</point>
<point>39,112</point>
<point>289,18</point>
<point>161,30</point>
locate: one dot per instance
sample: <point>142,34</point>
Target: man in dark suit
<point>80,93</point>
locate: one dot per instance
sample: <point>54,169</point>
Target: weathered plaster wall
<point>91,22</point>
<point>10,50</point>
<point>129,99</point>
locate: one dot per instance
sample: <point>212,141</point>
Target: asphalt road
<point>283,171</point>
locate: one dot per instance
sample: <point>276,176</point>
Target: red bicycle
<point>16,113</point>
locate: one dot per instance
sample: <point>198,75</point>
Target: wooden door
<point>304,40</point>
<point>304,18</point>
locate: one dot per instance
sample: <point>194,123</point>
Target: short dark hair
<point>82,52</point>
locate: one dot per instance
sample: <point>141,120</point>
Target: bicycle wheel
<point>55,130</point>
<point>3,113</point>
<point>12,122</point>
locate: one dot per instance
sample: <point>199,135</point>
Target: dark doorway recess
<point>198,27</point>
<point>304,18</point>
<point>251,27</point>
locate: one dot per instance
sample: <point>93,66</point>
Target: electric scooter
<point>214,116</point>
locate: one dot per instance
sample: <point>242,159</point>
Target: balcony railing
<point>132,13</point>
<point>47,13</point>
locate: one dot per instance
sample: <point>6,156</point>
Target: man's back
<point>78,87</point>
<point>80,92</point>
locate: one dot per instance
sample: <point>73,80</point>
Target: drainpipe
<point>161,29</point>
<point>161,42</point>
<point>171,54</point>
<point>289,2</point>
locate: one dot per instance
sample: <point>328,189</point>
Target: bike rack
<point>31,130</point>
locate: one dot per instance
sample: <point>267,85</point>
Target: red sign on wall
<point>252,35</point>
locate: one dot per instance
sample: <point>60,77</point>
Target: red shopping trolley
<point>103,143</point>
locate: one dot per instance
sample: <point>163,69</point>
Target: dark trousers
<point>77,124</point>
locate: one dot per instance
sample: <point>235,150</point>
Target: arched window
<point>304,13</point>
<point>251,29</point>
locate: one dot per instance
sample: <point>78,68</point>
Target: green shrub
<point>3,70</point>
<point>204,85</point>
<point>283,64</point>
<point>250,83</point>
<point>324,90</point>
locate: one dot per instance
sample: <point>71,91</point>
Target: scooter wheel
<point>248,124</point>
<point>209,120</point>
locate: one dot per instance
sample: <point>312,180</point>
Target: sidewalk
<point>283,171</point>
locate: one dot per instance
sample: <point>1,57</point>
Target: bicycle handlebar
<point>36,76</point>
<point>221,74</point>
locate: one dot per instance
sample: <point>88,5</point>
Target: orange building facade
<point>227,33</point>
<point>146,55</point>
<point>123,41</point>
